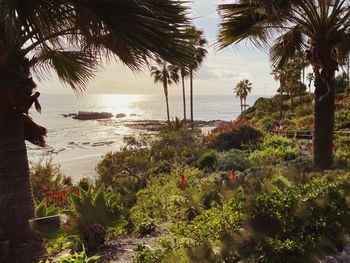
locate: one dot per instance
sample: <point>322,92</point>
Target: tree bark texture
<point>324,107</point>
<point>18,243</point>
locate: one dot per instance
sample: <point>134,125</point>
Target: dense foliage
<point>257,201</point>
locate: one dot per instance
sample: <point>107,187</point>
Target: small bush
<point>208,160</point>
<point>125,171</point>
<point>236,138</point>
<point>233,159</point>
<point>45,176</point>
<point>342,118</point>
<point>275,149</point>
<point>342,148</point>
<point>147,255</point>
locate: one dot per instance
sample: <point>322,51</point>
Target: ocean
<point>77,146</point>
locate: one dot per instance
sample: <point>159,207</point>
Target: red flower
<point>233,176</point>
<point>77,192</point>
<point>334,148</point>
<point>182,181</point>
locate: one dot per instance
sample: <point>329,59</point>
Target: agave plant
<point>94,212</point>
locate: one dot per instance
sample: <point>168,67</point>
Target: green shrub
<point>297,221</point>
<point>208,160</point>
<point>212,224</point>
<point>85,183</point>
<point>46,175</point>
<point>182,146</point>
<point>342,119</point>
<point>125,171</point>
<point>236,138</point>
<point>342,148</point>
<point>233,159</point>
<point>274,149</point>
<point>147,255</point>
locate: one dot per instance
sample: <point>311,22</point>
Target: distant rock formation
<point>120,115</point>
<point>87,115</point>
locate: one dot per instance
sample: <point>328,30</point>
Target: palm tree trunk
<point>183,93</point>
<point>241,103</point>
<point>324,107</point>
<point>191,97</point>
<point>281,102</point>
<point>16,199</point>
<point>167,101</point>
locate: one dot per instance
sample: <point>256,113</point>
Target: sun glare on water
<point>119,103</point>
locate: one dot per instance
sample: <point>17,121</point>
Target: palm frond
<point>240,23</point>
<point>74,68</point>
<point>133,27</point>
<point>286,47</point>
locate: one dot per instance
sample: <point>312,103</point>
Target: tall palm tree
<point>70,37</point>
<point>238,90</point>
<point>280,75</point>
<point>247,87</point>
<point>320,28</point>
<point>184,72</point>
<point>166,74</point>
<point>198,42</point>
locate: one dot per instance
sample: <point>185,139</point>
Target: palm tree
<point>238,90</point>
<point>280,75</point>
<point>166,74</point>
<point>198,42</point>
<point>184,72</point>
<point>70,37</point>
<point>242,89</point>
<point>247,88</point>
<point>319,28</point>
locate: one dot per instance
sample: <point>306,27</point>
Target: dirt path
<point>123,249</point>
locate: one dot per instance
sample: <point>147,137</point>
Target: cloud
<point>222,74</point>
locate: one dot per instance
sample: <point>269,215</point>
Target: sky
<point>220,71</point>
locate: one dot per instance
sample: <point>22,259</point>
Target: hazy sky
<point>220,72</point>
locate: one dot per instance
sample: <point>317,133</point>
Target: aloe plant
<point>94,212</point>
<point>41,210</point>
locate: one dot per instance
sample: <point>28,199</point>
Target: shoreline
<point>79,159</point>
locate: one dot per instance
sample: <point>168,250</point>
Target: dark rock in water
<point>120,115</point>
<point>69,115</point>
<point>87,115</point>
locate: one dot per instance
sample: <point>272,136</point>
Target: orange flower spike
<point>182,181</point>
<point>233,176</point>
